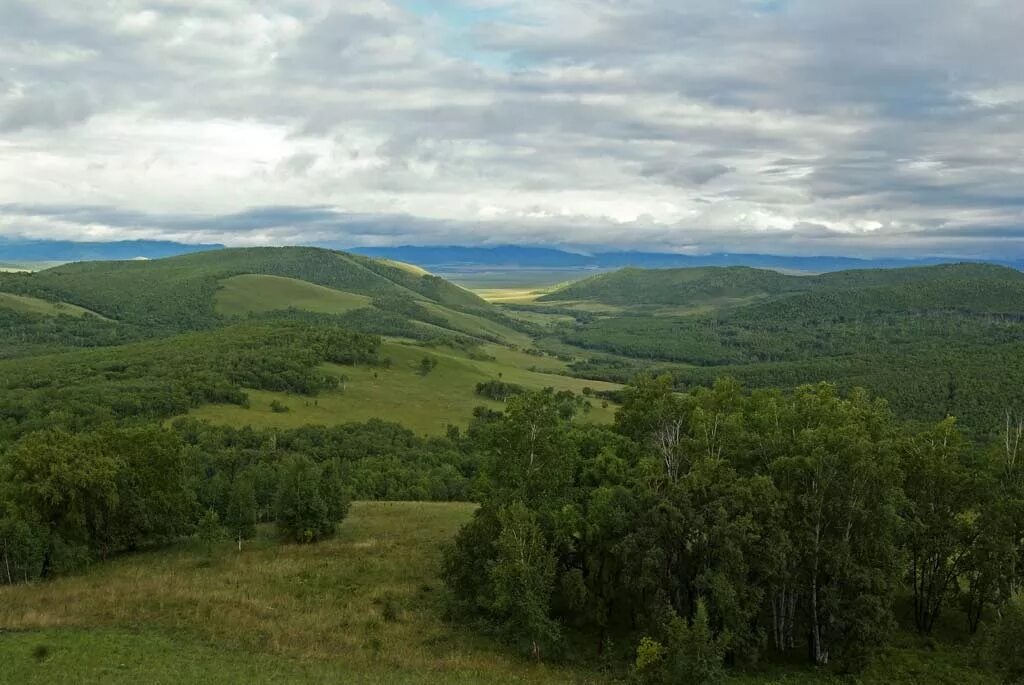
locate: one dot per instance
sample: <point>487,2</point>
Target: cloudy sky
<point>860,127</point>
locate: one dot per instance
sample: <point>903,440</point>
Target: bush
<point>1004,641</point>
<point>690,654</point>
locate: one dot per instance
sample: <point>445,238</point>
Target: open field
<point>240,295</point>
<point>425,403</point>
<point>364,607</point>
<point>34,305</point>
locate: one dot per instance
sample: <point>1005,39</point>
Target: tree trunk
<point>7,563</point>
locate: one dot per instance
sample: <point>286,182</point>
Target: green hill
<point>632,286</point>
<point>180,292</point>
<point>921,337</point>
<point>949,286</point>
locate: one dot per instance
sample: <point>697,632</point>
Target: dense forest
<point>723,528</point>
<point>933,341</point>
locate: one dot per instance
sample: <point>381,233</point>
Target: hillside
<point>941,284</point>
<point>921,337</point>
<point>180,292</point>
<point>631,286</point>
<point>136,300</point>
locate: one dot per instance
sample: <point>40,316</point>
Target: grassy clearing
<point>426,404</point>
<point>240,295</point>
<point>364,607</point>
<point>33,305</point>
<point>477,325</point>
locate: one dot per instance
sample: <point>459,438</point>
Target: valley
<point>156,415</point>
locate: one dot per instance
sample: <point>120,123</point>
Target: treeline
<point>722,528</point>
<point>70,499</point>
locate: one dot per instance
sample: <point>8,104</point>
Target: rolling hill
<point>149,298</point>
<point>180,292</point>
<point>631,286</point>
<point>940,285</point>
<point>921,337</point>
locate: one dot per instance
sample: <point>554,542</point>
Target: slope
<point>178,293</point>
<point>425,402</point>
<point>676,286</point>
<point>252,293</point>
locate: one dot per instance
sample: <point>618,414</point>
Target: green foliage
<point>721,509</point>
<point>95,493</point>
<point>926,339</point>
<point>498,390</point>
<point>160,379</point>
<point>178,293</point>
<point>309,505</point>
<point>690,653</point>
<point>522,576</point>
<point>242,508</point>
<point>426,365</point>
<point>209,531</point>
<point>1003,646</point>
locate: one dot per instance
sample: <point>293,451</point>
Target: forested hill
<point>940,285</point>
<point>180,292</point>
<point>632,286</point>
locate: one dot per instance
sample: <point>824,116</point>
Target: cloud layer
<point>791,126</point>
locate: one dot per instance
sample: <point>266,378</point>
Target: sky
<point>854,127</point>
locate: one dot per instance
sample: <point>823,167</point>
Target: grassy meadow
<point>425,403</point>
<point>240,295</point>
<point>364,607</point>
<point>34,305</point>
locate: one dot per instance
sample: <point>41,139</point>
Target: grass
<point>511,295</point>
<point>240,295</point>
<point>476,325</point>
<point>364,607</point>
<point>33,305</point>
<point>426,404</point>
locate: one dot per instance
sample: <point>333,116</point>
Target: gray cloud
<point>861,126</point>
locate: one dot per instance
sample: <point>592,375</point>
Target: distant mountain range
<point>456,259</point>
<point>460,259</point>
<point>71,251</point>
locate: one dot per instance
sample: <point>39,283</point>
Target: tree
<point>937,533</point>
<point>427,365</point>
<point>302,514</point>
<point>688,653</point>
<point>1003,645</point>
<point>333,490</point>
<point>523,577</point>
<point>68,485</point>
<point>209,531</point>
<point>241,510</point>
<point>838,479</point>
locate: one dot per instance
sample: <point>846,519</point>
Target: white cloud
<point>793,125</point>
